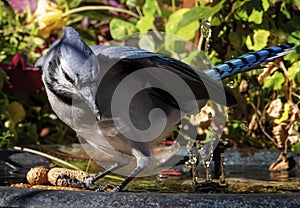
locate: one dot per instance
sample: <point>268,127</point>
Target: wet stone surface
<point>249,183</point>
<point>14,165</point>
<point>46,198</point>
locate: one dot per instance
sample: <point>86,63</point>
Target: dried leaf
<point>243,86</point>
<point>203,116</point>
<point>265,73</point>
<point>293,138</point>
<point>280,164</point>
<point>275,108</point>
<point>294,113</point>
<point>253,124</point>
<point>293,135</point>
<point>280,134</point>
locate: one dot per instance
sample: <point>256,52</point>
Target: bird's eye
<point>68,77</point>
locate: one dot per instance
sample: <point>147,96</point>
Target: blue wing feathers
<point>219,72</point>
<point>248,61</point>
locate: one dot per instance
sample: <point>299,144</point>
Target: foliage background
<point>267,114</point>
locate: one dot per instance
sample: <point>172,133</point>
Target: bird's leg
<point>142,162</point>
<point>128,179</point>
<point>89,182</point>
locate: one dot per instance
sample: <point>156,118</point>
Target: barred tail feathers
<point>246,62</point>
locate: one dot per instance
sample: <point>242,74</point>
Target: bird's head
<point>71,69</point>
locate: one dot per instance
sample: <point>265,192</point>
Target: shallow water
<point>245,171</point>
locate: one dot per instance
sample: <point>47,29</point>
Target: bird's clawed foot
<point>116,189</point>
<point>87,184</point>
<point>69,181</point>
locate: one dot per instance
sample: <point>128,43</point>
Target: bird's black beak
<point>39,63</point>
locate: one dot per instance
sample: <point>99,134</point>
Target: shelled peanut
<point>41,175</point>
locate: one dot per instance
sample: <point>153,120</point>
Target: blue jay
<point>122,100</point>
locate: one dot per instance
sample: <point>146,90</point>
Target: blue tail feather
<point>246,62</point>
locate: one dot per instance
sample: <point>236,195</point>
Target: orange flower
<point>49,17</point>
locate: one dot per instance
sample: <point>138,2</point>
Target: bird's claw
<point>104,188</point>
<point>116,189</point>
<point>88,184</point>
<point>69,181</point>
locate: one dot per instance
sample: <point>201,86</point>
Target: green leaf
<point>190,58</point>
<point>5,139</point>
<point>145,23</point>
<point>259,40</point>
<point>134,3</point>
<point>238,4</point>
<point>16,111</point>
<point>171,26</point>
<point>149,7</point>
<point>294,72</point>
<point>120,29</point>
<point>239,11</point>
<point>295,147</point>
<point>197,13</point>
<point>185,32</point>
<point>235,39</point>
<point>256,16</point>
<point>3,78</point>
<point>4,103</point>
<point>60,2</point>
<point>146,42</point>
<point>265,4</point>
<point>175,45</point>
<point>235,125</point>
<point>285,114</point>
<point>74,3</point>
<point>197,59</point>
<point>216,21</point>
<point>280,36</point>
<point>284,10</point>
<point>250,11</point>
<point>165,13</point>
<point>274,82</point>
<point>296,3</point>
<point>294,37</point>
